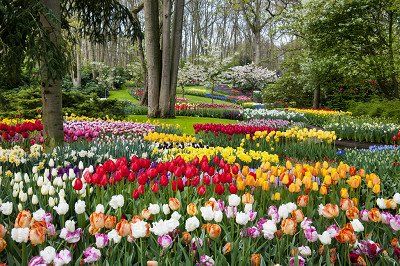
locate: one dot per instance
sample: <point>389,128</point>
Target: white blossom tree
<point>250,77</point>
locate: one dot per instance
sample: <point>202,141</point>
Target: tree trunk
<point>393,74</point>
<point>317,98</point>
<point>176,51</point>
<point>144,100</point>
<point>76,79</point>
<point>153,55</point>
<point>257,47</point>
<point>51,87</point>
<point>166,59</point>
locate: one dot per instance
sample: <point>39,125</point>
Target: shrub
<point>377,108</point>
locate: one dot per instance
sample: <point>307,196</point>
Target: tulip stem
<point>24,255</point>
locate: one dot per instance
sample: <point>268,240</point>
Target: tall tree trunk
<point>176,51</point>
<point>144,100</point>
<point>166,59</point>
<point>153,55</point>
<point>76,80</point>
<point>317,98</point>
<point>393,74</point>
<point>51,87</point>
<point>257,47</point>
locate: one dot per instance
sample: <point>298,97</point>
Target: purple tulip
<point>91,255</point>
<point>164,241</point>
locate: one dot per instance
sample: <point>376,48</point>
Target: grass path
<point>185,122</point>
<point>122,95</point>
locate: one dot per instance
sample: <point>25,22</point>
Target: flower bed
<point>300,143</point>
<point>196,211</point>
<point>363,130</point>
<point>273,123</point>
<point>272,114</point>
<point>226,135</point>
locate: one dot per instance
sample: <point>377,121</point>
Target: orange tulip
<point>23,219</point>
<point>346,204</point>
<point>191,209</point>
<point>146,214</point>
<point>110,221</point>
<point>247,198</point>
<point>37,234</point>
<point>255,259</point>
<point>346,235</point>
<point>174,204</point>
<point>186,238</point>
<point>352,213</point>
<point>227,248</point>
<point>123,228</point>
<point>214,231</point>
<point>330,211</point>
<point>3,244</point>
<point>97,220</point>
<point>289,226</point>
<point>374,215</point>
<point>298,215</point>
<point>2,231</point>
<point>302,200</point>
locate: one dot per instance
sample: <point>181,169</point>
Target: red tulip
<point>131,177</point>
<point>155,187</point>
<point>219,189</point>
<point>233,189</point>
<point>201,190</point>
<point>164,181</point>
<point>235,169</point>
<point>142,179</point>
<point>174,185</point>
<point>135,194</point>
<point>180,184</point>
<point>78,185</point>
<point>206,179</point>
<point>141,189</point>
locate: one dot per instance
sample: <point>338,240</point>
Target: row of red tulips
<point>230,129</point>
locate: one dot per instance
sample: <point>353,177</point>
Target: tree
<point>257,14</point>
<point>357,38</point>
<point>42,43</point>
<point>163,57</point>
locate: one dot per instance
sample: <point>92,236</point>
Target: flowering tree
<point>191,74</point>
<point>214,67</point>
<point>250,77</point>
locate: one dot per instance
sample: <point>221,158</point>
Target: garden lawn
<point>122,95</point>
<point>185,122</point>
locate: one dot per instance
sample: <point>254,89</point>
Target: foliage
<point>379,108</point>
<point>26,102</point>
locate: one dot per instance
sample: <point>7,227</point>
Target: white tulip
<point>35,200</point>
<point>51,202</point>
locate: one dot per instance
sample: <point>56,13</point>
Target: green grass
<point>122,95</point>
<point>185,122</point>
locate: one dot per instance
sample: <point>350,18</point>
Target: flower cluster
<point>74,130</point>
<point>231,129</point>
<point>229,154</point>
<point>18,132</point>
<point>295,133</point>
<point>273,114</point>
